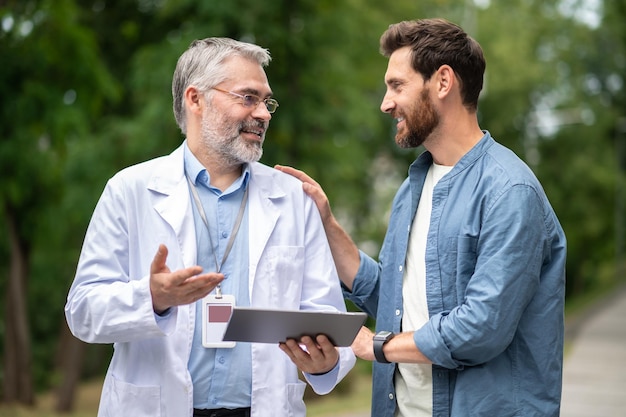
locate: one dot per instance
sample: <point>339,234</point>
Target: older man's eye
<point>250,100</point>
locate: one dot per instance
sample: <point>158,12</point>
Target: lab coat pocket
<point>282,272</point>
<point>295,393</point>
<point>127,399</point>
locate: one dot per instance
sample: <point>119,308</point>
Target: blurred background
<point>85,90</point>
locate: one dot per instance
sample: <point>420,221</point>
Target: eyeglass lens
<point>250,100</point>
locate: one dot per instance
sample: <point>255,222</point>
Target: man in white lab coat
<point>207,222</point>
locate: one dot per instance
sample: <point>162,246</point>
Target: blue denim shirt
<point>495,282</point>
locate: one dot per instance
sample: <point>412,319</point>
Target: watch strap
<point>379,341</point>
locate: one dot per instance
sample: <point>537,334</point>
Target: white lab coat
<point>290,266</point>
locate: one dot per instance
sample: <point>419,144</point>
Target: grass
<point>352,395</point>
<point>86,404</point>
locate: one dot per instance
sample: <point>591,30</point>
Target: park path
<point>594,374</point>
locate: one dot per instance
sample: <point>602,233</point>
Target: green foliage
<point>86,88</point>
<point>52,87</point>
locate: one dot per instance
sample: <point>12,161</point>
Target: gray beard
<point>231,148</point>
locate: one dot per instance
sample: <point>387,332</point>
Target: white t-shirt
<point>414,381</point>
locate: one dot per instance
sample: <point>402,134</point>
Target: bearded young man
<point>224,228</point>
<point>468,290</point>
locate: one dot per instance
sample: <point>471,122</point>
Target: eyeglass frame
<point>270,104</point>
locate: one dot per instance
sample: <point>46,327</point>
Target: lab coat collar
<point>169,193</point>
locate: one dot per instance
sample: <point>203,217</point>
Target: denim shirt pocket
<point>458,264</point>
<point>466,264</point>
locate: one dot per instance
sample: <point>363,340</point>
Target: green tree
<point>48,101</point>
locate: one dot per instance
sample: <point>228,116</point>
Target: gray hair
<point>201,65</point>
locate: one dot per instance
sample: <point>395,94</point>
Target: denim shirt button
<point>400,268</point>
<point>391,395</point>
<point>397,312</point>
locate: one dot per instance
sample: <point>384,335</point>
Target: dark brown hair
<point>437,42</point>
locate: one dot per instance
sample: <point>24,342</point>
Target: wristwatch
<point>380,339</point>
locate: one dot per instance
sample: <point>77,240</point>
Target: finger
<point>158,263</point>
<point>311,350</point>
<point>315,191</point>
<point>198,286</point>
<point>322,355</point>
<point>310,344</point>
<point>325,344</point>
<point>301,175</point>
<point>195,279</point>
<point>293,350</point>
<point>184,279</point>
<point>286,349</point>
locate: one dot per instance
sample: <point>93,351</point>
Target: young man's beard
<point>420,122</point>
<point>223,136</point>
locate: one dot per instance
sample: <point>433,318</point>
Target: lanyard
<point>231,241</point>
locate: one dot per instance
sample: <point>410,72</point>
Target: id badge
<point>216,313</point>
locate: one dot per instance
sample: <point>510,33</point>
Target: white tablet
<point>248,324</point>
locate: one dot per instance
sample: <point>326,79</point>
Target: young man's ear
<point>445,79</point>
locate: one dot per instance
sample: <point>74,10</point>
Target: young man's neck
<point>449,144</point>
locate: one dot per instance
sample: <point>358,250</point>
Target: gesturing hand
<point>319,357</point>
<point>184,286</point>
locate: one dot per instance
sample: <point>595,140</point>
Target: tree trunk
<point>18,380</point>
<point>69,364</point>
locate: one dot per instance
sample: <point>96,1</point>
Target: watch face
<point>382,335</point>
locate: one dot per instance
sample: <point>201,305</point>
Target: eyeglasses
<point>251,101</point>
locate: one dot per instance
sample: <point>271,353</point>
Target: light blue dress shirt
<point>222,378</point>
<point>495,282</point>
